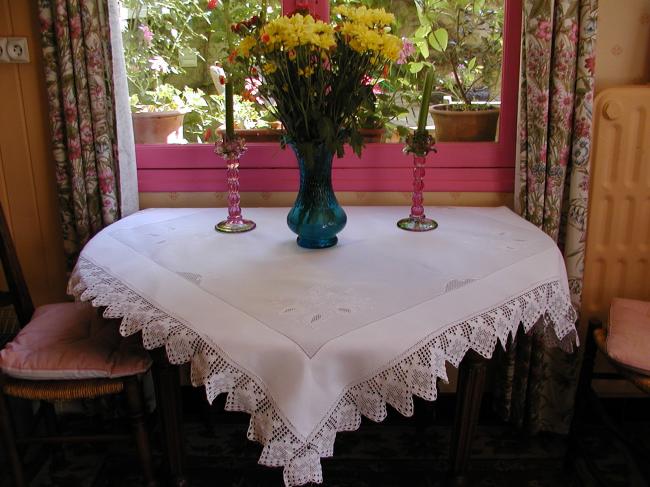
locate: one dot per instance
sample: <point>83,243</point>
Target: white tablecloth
<point>306,341</point>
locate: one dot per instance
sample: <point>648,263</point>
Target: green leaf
<point>416,67</point>
<point>471,64</point>
<point>423,31</point>
<point>439,39</point>
<point>424,49</point>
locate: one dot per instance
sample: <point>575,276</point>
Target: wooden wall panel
<point>27,188</point>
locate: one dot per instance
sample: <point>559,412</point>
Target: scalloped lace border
<point>547,307</point>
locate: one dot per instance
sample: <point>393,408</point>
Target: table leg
<point>471,382</point>
<point>168,402</point>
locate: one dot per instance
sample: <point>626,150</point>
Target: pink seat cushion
<point>70,341</point>
<point>628,336</point>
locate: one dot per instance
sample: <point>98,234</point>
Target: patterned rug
<point>399,452</point>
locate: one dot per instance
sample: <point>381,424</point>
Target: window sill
<point>473,167</point>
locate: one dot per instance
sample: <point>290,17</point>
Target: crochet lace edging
<point>546,307</point>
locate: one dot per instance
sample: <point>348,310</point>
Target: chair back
<point>18,294</point>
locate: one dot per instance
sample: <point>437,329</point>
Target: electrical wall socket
<point>4,57</point>
<point>17,49</point>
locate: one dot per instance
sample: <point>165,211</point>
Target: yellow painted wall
<point>27,190</point>
<point>623,43</point>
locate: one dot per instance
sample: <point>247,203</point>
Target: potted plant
<point>153,45</point>
<point>251,120</point>
<point>463,39</point>
<point>158,114</point>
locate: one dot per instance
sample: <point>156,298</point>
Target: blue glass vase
<point>316,216</point>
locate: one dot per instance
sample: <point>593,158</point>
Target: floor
<point>400,452</point>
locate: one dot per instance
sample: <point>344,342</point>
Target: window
<point>467,166</point>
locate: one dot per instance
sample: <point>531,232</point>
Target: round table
<point>308,341</point>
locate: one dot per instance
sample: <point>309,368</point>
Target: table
<point>308,341</point>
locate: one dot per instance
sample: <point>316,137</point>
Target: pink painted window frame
<point>471,167</point>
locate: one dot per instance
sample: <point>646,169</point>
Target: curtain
<point>536,387</point>
<point>129,198</point>
<point>79,82</point>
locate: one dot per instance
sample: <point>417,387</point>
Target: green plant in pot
<point>155,39</point>
<point>377,115</point>
<point>463,39</point>
<point>158,114</point>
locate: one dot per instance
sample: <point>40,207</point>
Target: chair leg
<point>135,401</point>
<point>9,440</point>
<point>53,429</point>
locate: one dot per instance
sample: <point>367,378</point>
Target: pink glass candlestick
<point>231,149</point>
<point>234,223</point>
<point>417,221</point>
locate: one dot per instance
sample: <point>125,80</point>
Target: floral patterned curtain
<point>78,75</point>
<point>537,386</point>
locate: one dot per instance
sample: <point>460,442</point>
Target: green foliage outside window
<point>461,39</point>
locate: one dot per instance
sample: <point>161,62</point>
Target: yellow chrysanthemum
<point>363,38</point>
<point>246,45</point>
<point>269,68</point>
<point>370,17</point>
<point>287,33</point>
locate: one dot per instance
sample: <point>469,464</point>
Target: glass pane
<point>172,49</point>
<point>463,41</point>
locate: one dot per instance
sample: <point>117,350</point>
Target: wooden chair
<point>65,351</point>
<point>625,343</point>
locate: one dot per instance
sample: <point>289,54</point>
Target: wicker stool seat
<point>70,390</point>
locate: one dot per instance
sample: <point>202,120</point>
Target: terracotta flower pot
<point>372,135</point>
<point>158,127</point>
<point>465,126</point>
<point>258,135</point>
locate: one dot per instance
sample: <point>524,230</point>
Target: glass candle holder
<point>234,223</point>
<point>231,149</point>
<point>417,220</point>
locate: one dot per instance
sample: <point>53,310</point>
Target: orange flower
<point>266,38</point>
<point>233,55</point>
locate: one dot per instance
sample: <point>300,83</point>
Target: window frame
<point>383,167</point>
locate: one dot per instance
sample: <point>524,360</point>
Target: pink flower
<point>147,35</point>
<point>157,63</point>
<point>590,64</point>
<point>408,49</point>
<point>368,81</point>
<point>75,27</point>
<point>544,30</point>
<point>542,154</point>
<point>564,156</point>
<point>106,183</point>
<point>573,35</point>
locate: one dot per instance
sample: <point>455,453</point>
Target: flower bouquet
<point>313,77</point>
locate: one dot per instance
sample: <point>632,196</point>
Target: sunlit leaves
<point>439,39</point>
